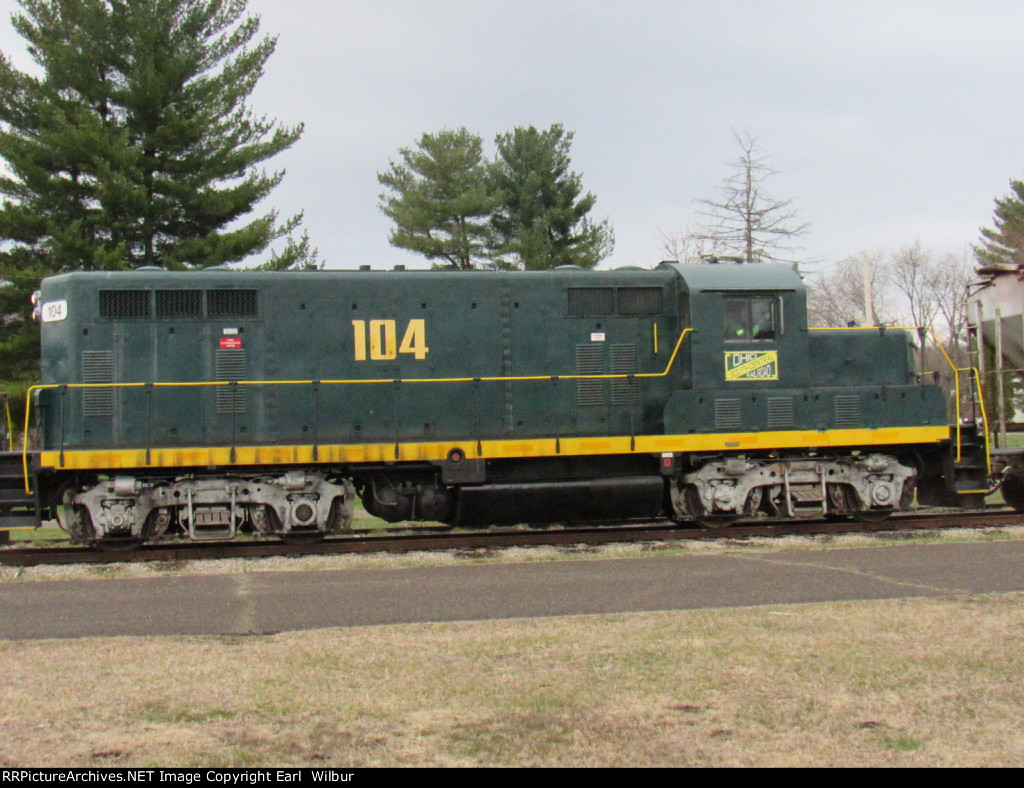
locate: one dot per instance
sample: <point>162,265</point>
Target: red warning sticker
<point>230,343</point>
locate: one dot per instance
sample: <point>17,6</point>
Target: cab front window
<point>747,318</point>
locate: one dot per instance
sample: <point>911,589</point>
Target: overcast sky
<point>888,122</point>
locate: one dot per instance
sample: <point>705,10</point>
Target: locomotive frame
<point>218,400</point>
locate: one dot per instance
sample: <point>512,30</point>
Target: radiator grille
<point>590,361</point>
<point>591,301</point>
<point>728,413</point>
<point>640,301</point>
<point>98,367</point>
<point>596,301</point>
<point>125,304</point>
<point>231,303</point>
<point>179,303</point>
<point>623,362</point>
<point>847,411</point>
<point>780,411</point>
<point>231,365</point>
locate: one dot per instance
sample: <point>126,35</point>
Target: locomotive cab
<point>789,421</point>
<point>749,337</point>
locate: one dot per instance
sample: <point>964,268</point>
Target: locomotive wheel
<point>77,521</point>
<point>82,529</point>
<point>1013,487</point>
<point>861,515</point>
<point>694,509</point>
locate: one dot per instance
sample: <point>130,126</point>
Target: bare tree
<point>684,247</point>
<point>909,287</point>
<point>934,292</point>
<point>914,275</point>
<point>746,221</point>
<point>955,274</point>
<point>836,297</point>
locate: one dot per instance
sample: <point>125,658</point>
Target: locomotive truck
<point>205,403</point>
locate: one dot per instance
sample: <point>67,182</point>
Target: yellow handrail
<point>984,417</point>
<point>343,382</point>
<point>500,379</point>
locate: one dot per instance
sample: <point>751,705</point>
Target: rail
<point>316,386</point>
<point>957,371</point>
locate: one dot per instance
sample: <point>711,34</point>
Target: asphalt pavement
<point>268,602</point>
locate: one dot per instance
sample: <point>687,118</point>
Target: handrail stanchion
<point>149,423</point>
<point>477,425</point>
<point>63,397</point>
<point>398,417</point>
<point>316,420</point>
<point>233,390</point>
<point>956,376</point>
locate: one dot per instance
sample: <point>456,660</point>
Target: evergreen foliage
<point>440,199</point>
<point>1004,245</point>
<point>541,220</point>
<point>522,210</point>
<point>132,144</point>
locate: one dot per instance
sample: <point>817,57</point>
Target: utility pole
<point>869,313</point>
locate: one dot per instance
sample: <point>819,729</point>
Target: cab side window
<point>749,317</point>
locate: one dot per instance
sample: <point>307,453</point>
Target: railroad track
<point>476,541</point>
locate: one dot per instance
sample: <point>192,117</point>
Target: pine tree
<point>440,200</point>
<point>541,219</point>
<point>1004,245</point>
<point>134,146</point>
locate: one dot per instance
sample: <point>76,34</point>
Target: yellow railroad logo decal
<point>752,365</point>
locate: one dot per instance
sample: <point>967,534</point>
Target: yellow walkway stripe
<point>334,454</point>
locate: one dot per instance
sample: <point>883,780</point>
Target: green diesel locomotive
<point>216,401</point>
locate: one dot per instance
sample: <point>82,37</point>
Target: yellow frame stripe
<point>493,379</point>
<point>330,454</point>
<point>436,451</point>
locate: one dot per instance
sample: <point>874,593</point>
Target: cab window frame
<point>744,318</point>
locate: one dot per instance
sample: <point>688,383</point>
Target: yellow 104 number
<point>383,340</point>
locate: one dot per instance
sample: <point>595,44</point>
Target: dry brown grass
<point>907,682</point>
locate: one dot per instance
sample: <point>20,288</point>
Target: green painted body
<point>322,327</point>
<point>299,333</point>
